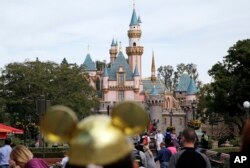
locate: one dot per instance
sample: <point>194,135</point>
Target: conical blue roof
<point>136,72</point>
<point>139,19</point>
<point>113,43</point>
<point>183,83</point>
<point>134,20</point>
<point>186,84</point>
<point>105,73</point>
<point>88,64</point>
<point>120,61</point>
<point>192,89</point>
<point>154,91</point>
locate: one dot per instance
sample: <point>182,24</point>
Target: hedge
<point>227,149</point>
<point>56,152</point>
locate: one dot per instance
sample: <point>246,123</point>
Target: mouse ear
<point>58,123</point>
<point>131,118</point>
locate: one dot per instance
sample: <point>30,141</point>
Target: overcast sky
<point>197,31</point>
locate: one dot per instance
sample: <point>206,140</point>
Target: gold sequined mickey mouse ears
<point>97,139</point>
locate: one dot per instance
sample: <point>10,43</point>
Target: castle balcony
<point>134,33</point>
<point>138,50</point>
<point>121,87</point>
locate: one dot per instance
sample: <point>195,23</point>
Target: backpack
<point>168,138</point>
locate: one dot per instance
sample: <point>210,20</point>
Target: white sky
<point>197,31</point>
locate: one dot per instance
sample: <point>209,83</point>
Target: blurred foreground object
<point>97,139</point>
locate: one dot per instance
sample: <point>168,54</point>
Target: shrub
<point>227,149</point>
<point>195,124</point>
<point>235,142</point>
<point>48,152</point>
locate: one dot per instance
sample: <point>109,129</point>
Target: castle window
<point>98,84</point>
<point>120,95</point>
<point>134,44</point>
<point>180,121</point>
<point>120,79</point>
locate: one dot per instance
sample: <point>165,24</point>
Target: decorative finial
<point>134,4</point>
<point>88,48</point>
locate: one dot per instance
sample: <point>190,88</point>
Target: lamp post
<point>212,122</point>
<point>193,105</point>
<point>171,115</point>
<point>246,105</point>
<point>43,105</point>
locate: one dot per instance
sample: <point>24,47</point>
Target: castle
<point>121,79</point>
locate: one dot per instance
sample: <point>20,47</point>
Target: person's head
<point>7,141</point>
<point>137,162</point>
<point>188,136</point>
<point>168,130</point>
<point>245,141</point>
<point>65,153</point>
<point>21,155</point>
<point>162,144</point>
<point>204,132</point>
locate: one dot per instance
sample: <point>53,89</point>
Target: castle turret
<point>136,77</point>
<point>134,50</point>
<point>105,80</point>
<point>155,102</point>
<point>90,67</point>
<point>113,51</point>
<point>153,77</point>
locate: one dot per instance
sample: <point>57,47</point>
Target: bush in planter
<point>195,124</point>
<point>171,128</point>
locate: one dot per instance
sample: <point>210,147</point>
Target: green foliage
<point>231,84</point>
<point>227,149</point>
<point>235,141</point>
<point>48,152</point>
<point>22,83</point>
<point>171,76</point>
<point>171,128</point>
<point>195,124</point>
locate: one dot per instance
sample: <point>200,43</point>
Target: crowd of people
<point>172,152</point>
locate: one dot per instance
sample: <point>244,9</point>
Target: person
<point>146,139</point>
<point>159,139</point>
<point>22,157</point>
<point>245,140</point>
<point>188,156</point>
<point>5,153</point>
<point>139,155</point>
<point>163,156</point>
<point>64,160</point>
<point>174,139</point>
<point>172,148</point>
<point>149,157</point>
<point>204,140</point>
<point>167,136</point>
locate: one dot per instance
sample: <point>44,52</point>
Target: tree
<point>231,84</point>
<point>166,72</point>
<point>171,76</point>
<point>22,83</point>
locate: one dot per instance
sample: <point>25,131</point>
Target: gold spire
<point>120,47</point>
<point>153,78</point>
